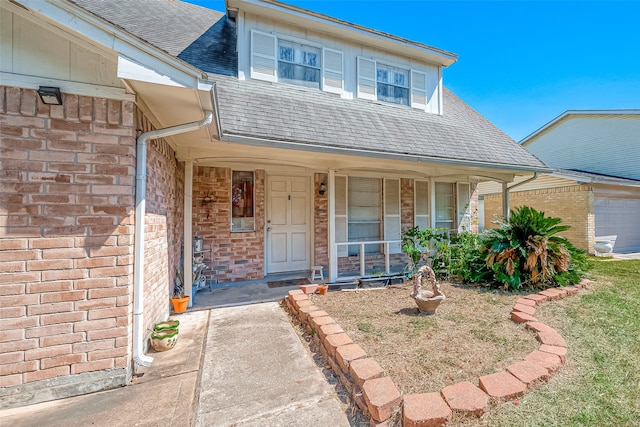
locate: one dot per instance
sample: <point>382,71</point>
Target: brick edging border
<point>376,394</point>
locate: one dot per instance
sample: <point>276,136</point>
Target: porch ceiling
<point>234,155</point>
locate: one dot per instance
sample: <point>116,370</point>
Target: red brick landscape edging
<point>376,394</point>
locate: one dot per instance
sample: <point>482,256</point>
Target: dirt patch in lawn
<point>471,334</point>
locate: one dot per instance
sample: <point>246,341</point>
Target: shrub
<point>526,252</point>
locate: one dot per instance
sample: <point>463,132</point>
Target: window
<point>298,64</point>
<point>392,84</point>
<point>364,212</point>
<point>386,83</point>
<point>445,205</point>
<point>242,197</point>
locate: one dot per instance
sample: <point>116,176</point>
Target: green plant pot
<point>164,340</point>
<point>167,324</point>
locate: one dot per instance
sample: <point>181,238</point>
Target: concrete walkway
<point>242,366</point>
<point>258,373</point>
<point>165,395</point>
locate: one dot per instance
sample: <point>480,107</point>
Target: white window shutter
<point>264,62</point>
<point>419,98</point>
<point>341,214</point>
<point>332,71</point>
<point>432,88</point>
<point>392,222</point>
<point>366,78</point>
<point>421,204</point>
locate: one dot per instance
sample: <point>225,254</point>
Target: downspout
<point>138,267</point>
<point>506,202</point>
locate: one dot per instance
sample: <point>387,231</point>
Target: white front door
<point>288,223</point>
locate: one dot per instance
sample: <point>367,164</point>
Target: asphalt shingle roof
<point>206,39</point>
<point>275,111</point>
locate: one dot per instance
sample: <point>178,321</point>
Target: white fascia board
<point>91,27</point>
<point>76,88</point>
<point>345,29</point>
<point>133,70</point>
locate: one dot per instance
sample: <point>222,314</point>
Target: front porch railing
<point>363,255</point>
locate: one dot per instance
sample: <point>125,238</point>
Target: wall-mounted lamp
<point>50,95</point>
<point>322,189</point>
<point>205,200</point>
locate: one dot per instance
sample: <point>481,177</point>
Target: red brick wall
<point>320,222</point>
<point>235,256</point>
<point>67,206</point>
<point>164,225</point>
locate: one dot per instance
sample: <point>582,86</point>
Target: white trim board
<point>75,88</point>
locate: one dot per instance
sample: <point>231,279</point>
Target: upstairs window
<point>298,64</point>
<point>386,83</point>
<point>295,62</point>
<point>392,84</point>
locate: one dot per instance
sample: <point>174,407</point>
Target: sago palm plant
<point>526,251</point>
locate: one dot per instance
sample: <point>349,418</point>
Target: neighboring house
<point>283,138</point>
<point>596,186</point>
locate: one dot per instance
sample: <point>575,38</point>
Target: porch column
<point>432,202</point>
<point>331,227</point>
<point>505,201</point>
<point>188,230</point>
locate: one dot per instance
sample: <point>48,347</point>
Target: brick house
<point>281,137</point>
<point>595,184</point>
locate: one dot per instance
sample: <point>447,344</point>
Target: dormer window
<point>386,83</point>
<point>296,62</point>
<point>299,64</point>
<point>393,84</point>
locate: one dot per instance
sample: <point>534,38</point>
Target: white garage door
<point>622,218</point>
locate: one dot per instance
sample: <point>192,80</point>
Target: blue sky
<point>520,63</point>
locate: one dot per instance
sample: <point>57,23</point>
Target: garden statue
<point>428,301</point>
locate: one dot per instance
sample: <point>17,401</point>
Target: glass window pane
<point>242,206</point>
<point>286,53</point>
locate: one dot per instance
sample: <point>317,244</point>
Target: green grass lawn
<point>600,383</point>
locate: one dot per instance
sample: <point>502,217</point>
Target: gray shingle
<point>315,117</point>
<point>202,37</point>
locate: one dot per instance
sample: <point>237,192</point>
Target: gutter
<point>317,148</point>
<point>506,212</point>
<point>138,267</point>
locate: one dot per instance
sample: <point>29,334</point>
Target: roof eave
<point>352,31</point>
<point>527,139</point>
<point>112,37</point>
<point>416,158</point>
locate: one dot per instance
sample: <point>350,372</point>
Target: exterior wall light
<point>322,189</point>
<point>50,95</point>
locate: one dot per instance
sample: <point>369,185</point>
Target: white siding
<point>351,51</point>
<point>604,144</point>
<point>24,53</point>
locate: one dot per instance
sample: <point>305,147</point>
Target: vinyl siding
<point>604,144</point>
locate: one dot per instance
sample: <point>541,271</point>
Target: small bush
<point>526,252</point>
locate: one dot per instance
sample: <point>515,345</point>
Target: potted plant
<point>179,299</point>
